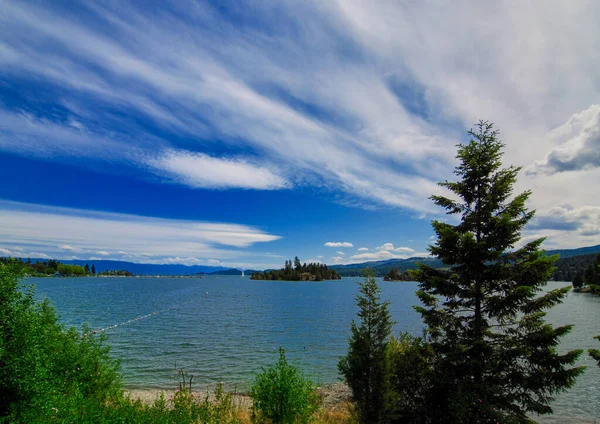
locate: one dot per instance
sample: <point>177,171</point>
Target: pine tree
<point>578,281</point>
<point>93,269</point>
<point>495,356</point>
<point>86,268</point>
<point>365,367</point>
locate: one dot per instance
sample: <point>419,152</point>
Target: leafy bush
<point>283,395</point>
<point>43,365</point>
<point>52,374</point>
<point>410,361</point>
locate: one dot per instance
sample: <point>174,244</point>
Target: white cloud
<point>340,253</point>
<point>584,220</point>
<point>384,252</point>
<point>66,247</point>
<point>338,244</point>
<point>336,260</point>
<point>320,256</point>
<point>43,228</point>
<point>200,170</point>
<point>201,93</point>
<point>577,145</point>
<point>389,247</point>
<point>392,98</point>
<point>5,252</point>
<point>315,261</point>
<point>363,249</point>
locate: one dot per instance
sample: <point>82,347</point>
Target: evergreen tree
<point>86,269</point>
<point>297,264</point>
<point>495,356</point>
<point>365,366</point>
<point>93,269</point>
<point>578,281</point>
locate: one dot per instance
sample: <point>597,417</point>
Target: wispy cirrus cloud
<point>203,171</point>
<point>51,231</point>
<point>198,92</point>
<point>365,99</point>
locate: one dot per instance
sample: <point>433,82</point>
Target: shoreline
<point>335,396</point>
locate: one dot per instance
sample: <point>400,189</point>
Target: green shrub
<point>409,360</point>
<point>43,366</point>
<point>283,395</point>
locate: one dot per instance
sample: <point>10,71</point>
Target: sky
<point>243,134</point>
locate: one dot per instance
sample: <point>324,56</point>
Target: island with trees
<point>395,275</point>
<point>296,271</point>
<point>589,279</point>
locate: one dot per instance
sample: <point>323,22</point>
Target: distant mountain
<point>233,271</point>
<point>351,270</point>
<point>567,253</point>
<point>143,269</point>
<point>381,268</point>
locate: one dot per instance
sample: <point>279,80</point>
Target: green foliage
<point>410,363</point>
<point>183,408</point>
<point>296,271</point>
<point>568,267</point>
<point>71,270</point>
<point>591,275</point>
<point>395,275</point>
<point>365,366</point>
<point>283,395</point>
<point>494,357</point>
<point>578,281</point>
<point>43,365</point>
<point>595,353</point>
<point>116,273</point>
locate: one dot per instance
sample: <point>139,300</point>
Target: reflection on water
<point>235,330</point>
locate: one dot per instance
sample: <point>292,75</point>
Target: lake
<point>227,328</point>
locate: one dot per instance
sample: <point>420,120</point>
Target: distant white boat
<point>242,273</point>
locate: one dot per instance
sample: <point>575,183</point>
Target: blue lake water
<point>229,334</point>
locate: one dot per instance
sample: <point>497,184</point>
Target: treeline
<point>52,267</point>
<point>297,271</point>
<point>116,273</point>
<point>567,268</point>
<point>590,277</point>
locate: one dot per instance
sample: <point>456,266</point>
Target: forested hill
<point>140,269</point>
<point>381,268</point>
<point>570,262</point>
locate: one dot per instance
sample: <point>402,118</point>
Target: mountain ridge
<point>350,270</point>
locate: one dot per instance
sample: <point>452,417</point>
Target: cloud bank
<point>43,231</point>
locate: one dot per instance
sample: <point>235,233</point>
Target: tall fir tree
<point>578,281</point>
<point>365,366</point>
<point>495,356</point>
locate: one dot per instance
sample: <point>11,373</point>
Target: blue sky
<point>210,133</point>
